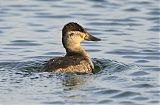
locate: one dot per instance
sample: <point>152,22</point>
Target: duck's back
<point>69,64</point>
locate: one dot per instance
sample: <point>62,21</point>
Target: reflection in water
<point>72,81</point>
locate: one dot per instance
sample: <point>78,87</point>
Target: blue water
<point>128,56</point>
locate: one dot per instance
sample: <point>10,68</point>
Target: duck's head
<point>73,34</point>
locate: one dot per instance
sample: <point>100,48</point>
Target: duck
<point>76,59</point>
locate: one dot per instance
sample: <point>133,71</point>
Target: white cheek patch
<point>76,34</point>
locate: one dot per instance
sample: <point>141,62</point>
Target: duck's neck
<point>76,50</point>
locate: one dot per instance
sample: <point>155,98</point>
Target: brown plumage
<point>69,64</point>
<point>76,59</point>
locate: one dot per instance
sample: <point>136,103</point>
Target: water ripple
<point>23,43</point>
<point>126,94</point>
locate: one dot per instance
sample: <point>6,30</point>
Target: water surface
<point>128,55</point>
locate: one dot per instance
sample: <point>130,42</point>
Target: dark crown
<point>72,26</point>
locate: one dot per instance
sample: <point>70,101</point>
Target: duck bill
<point>89,37</point>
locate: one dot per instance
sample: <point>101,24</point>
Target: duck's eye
<point>71,34</point>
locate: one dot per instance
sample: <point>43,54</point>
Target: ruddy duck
<point>76,59</point>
